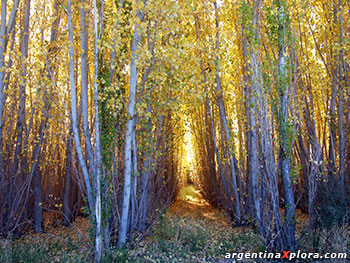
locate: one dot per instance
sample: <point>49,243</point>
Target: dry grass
<point>56,244</point>
<point>191,231</point>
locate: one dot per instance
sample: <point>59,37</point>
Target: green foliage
<point>294,171</point>
<point>246,14</point>
<point>287,137</point>
<point>117,255</point>
<point>41,252</point>
<point>181,236</point>
<point>278,28</point>
<point>110,114</point>
<point>272,24</point>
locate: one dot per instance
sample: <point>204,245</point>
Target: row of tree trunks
<point>91,175</point>
<point>262,172</point>
<point>228,150</point>
<point>229,207</point>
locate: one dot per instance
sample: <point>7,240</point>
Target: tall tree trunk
<point>285,144</point>
<point>248,127</point>
<point>142,213</point>
<point>98,167</point>
<point>130,126</point>
<point>38,199</point>
<point>341,81</point>
<point>35,173</point>
<point>22,96</point>
<point>134,182</point>
<point>74,110</point>
<point>210,153</point>
<point>332,166</point>
<point>84,88</point>
<point>252,82</point>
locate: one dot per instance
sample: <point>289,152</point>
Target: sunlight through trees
<point>108,107</point>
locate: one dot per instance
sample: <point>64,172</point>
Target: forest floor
<point>193,231</point>
<point>190,231</point>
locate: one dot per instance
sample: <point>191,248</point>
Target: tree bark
<point>67,213</point>
<point>130,126</point>
<point>75,129</point>
<point>84,88</point>
<point>252,82</point>
<point>22,96</point>
<point>285,144</point>
<point>341,81</point>
<point>98,164</point>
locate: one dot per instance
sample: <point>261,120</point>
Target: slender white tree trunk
<point>130,126</point>
<point>98,206</point>
<point>84,88</point>
<point>74,109</point>
<point>254,66</point>
<point>285,144</point>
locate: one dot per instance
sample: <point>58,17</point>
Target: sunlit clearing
<point>188,156</point>
<point>190,194</point>
<point>188,146</point>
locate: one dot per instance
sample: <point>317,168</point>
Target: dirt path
<point>190,203</point>
<point>192,231</point>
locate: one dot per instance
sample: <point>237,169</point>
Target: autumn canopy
<point>108,107</point>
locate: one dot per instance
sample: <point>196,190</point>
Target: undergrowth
<point>184,239</point>
<point>194,236</point>
<point>45,251</point>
